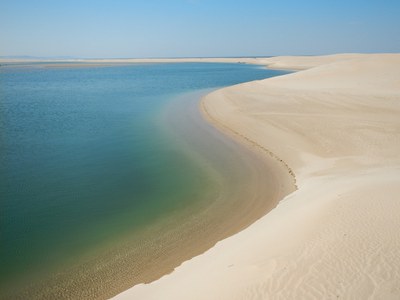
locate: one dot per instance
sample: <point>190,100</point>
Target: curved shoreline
<point>267,183</point>
<point>336,125</point>
<point>283,184</point>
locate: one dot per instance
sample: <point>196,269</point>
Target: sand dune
<point>337,126</point>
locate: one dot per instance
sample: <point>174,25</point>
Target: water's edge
<point>271,179</point>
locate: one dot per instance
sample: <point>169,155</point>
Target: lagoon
<point>105,169</point>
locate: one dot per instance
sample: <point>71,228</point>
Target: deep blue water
<point>84,155</point>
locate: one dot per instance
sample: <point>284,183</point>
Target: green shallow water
<point>95,160</point>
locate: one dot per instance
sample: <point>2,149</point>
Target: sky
<point>197,28</point>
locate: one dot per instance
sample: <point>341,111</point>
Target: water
<point>87,157</point>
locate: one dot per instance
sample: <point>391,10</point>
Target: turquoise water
<point>85,156</point>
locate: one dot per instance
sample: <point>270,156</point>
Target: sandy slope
<point>337,125</point>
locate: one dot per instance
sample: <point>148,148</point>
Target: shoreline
<point>336,126</point>
<point>227,214</point>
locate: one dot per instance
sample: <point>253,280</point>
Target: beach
<point>335,126</point>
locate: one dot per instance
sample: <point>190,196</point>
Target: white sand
<point>337,125</point>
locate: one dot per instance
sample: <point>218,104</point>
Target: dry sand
<point>337,126</point>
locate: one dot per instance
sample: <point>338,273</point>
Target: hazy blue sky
<point>170,28</point>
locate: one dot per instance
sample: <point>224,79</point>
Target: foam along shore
<point>337,126</point>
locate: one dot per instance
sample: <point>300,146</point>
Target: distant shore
<point>336,126</point>
<point>277,62</point>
